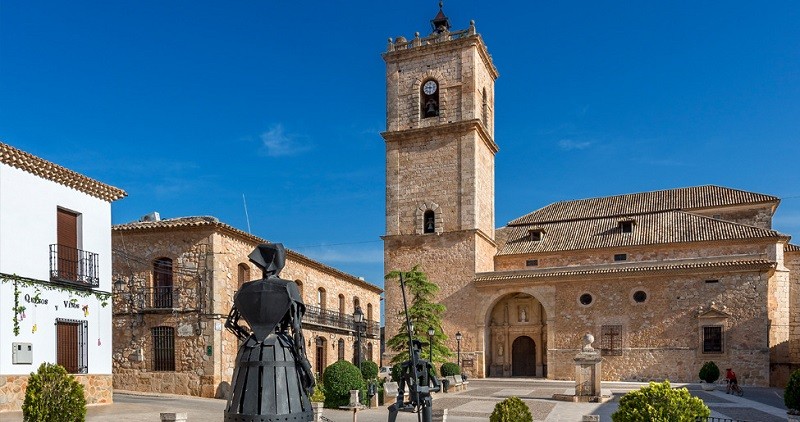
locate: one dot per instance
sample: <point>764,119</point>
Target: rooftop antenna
<point>246,216</point>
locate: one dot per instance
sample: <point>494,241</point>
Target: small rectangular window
<point>716,217</point>
<point>532,263</point>
<point>163,348</point>
<point>626,226</point>
<point>712,339</point>
<point>611,340</point>
<point>536,235</point>
<point>620,257</point>
<point>712,281</point>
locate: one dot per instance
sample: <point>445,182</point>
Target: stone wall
<point>661,337</point>
<point>759,216</point>
<point>206,274</point>
<point>96,388</point>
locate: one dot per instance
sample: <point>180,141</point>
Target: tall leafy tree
<point>424,313</point>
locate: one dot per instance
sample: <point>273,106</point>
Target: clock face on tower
<point>429,88</point>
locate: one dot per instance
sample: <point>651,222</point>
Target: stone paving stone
<point>745,414</point>
<point>709,398</point>
<point>509,392</point>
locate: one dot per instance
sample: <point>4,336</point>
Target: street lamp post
<point>458,339</point>
<point>431,332</point>
<point>358,320</point>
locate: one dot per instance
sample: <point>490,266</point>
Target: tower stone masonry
<point>440,168</point>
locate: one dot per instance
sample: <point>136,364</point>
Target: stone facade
<point>96,388</point>
<point>209,262</point>
<point>664,280</point>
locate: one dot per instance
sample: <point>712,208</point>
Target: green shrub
<point>511,409</point>
<point>658,402</point>
<point>791,395</point>
<point>449,369</point>
<point>338,380</point>
<point>319,394</point>
<point>397,371</point>
<point>53,395</point>
<point>369,370</point>
<point>709,372</point>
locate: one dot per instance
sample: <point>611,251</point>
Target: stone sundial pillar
<point>587,369</point>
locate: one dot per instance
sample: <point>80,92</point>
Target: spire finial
<point>440,23</point>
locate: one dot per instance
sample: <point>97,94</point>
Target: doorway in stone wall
<point>321,357</point>
<point>523,357</point>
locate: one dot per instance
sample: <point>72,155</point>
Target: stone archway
<point>516,333</point>
<point>523,357</point>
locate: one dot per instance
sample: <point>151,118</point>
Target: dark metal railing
<point>324,317</point>
<point>74,266</point>
<point>711,419</point>
<point>160,297</point>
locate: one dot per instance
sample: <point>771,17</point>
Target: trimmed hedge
<point>709,372</point>
<point>659,402</point>
<point>53,395</point>
<point>369,370</point>
<point>339,379</point>
<point>791,395</point>
<point>511,409</point>
<point>450,369</point>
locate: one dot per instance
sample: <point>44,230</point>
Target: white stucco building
<point>55,275</point>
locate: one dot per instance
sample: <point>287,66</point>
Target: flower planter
<point>317,407</point>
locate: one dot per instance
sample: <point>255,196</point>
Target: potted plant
<point>318,402</point>
<point>791,396</point>
<point>709,373</point>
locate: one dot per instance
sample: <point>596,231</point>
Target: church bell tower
<point>440,152</point>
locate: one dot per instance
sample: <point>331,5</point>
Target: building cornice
<point>620,271</point>
<point>442,129</point>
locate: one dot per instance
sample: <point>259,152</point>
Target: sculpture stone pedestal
<point>587,375</point>
<point>588,372</point>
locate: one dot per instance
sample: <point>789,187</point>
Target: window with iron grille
<point>712,339</point>
<point>611,340</point>
<point>340,348</point>
<point>72,346</point>
<point>163,349</point>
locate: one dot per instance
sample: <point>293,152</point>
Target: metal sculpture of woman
<point>272,380</point>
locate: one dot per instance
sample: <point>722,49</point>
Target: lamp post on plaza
<point>358,321</point>
<point>458,339</point>
<point>431,332</point>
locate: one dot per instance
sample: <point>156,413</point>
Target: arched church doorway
<point>523,357</point>
<point>516,337</point>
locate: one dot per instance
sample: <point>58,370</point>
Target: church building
<point>663,280</point>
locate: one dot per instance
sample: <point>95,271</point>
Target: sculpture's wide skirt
<point>266,384</point>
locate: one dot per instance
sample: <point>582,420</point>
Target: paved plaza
<point>475,404</point>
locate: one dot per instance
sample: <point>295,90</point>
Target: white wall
<point>28,206</point>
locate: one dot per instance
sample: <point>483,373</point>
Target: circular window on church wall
<point>585,299</point>
<point>639,296</point>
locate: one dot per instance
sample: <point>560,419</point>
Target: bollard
<point>173,417</point>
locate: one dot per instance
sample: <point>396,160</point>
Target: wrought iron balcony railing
<point>333,319</point>
<point>74,266</point>
<point>160,297</point>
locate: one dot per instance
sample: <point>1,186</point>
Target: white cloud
<point>569,144</point>
<point>276,143</point>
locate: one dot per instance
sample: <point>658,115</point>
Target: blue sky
<point>188,105</point>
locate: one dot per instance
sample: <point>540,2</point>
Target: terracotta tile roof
<point>791,248</point>
<point>621,269</point>
<point>45,169</point>
<point>698,197</point>
<point>649,229</point>
<point>215,224</point>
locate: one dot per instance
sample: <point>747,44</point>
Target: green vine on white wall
<point>18,281</point>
